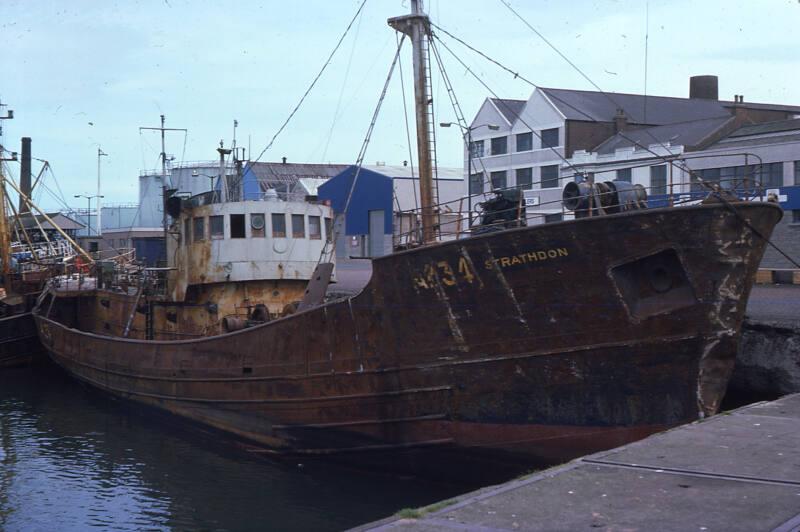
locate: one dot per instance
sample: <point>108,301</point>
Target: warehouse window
<point>549,176</point>
<point>498,179</point>
<point>475,184</point>
<point>550,138</point>
<point>524,141</point>
<point>658,179</point>
<point>499,145</point>
<point>770,175</point>
<point>524,178</point>
<point>476,149</point>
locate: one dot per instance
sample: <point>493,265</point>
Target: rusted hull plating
<point>544,342</point>
<point>19,342</point>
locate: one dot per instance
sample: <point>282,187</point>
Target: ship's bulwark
<point>539,343</point>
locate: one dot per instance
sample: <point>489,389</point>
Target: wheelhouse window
<point>624,174</point>
<point>314,228</point>
<point>550,138</point>
<point>525,141</point>
<point>298,226</point>
<point>187,231</point>
<point>199,229</point>
<point>797,172</point>
<point>237,226</point>
<point>329,229</point>
<point>278,225</point>
<point>216,226</point>
<point>524,178</point>
<point>257,225</point>
<point>499,145</point>
<point>498,179</point>
<point>549,176</point>
<point>658,179</point>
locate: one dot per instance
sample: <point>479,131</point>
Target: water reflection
<point>71,459</point>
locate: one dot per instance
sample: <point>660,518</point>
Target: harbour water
<point>75,459</point>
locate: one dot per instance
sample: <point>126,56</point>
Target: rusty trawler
<point>26,263</point>
<point>529,343</point>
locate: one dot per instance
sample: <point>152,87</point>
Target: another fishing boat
<point>25,266</point>
<point>528,344</point>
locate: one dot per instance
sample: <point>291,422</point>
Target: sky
<point>82,75</point>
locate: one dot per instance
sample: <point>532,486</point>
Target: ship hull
<point>538,344</point>
<point>19,341</point>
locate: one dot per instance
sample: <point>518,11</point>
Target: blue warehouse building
<point>367,230</point>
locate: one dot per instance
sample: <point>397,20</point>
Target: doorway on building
<point>376,232</point>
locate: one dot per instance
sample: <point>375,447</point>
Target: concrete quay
<point>739,470</point>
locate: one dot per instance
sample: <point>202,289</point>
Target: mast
<point>417,27</point>
<point>164,187</point>
<point>5,245</point>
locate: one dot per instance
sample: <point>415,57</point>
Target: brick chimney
<point>620,121</point>
<point>704,87</point>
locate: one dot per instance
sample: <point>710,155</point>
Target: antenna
<point>646,39</point>
<point>164,188</point>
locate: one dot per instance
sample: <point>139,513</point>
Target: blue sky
<point>82,73</point>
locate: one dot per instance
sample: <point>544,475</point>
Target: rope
<point>313,83</point>
<point>362,153</point>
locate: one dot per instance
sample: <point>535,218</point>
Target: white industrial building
<point>531,144</point>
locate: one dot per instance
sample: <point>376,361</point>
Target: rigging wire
<point>408,128</point>
<point>313,83</point>
<point>502,102</point>
<point>363,151</point>
<point>341,91</point>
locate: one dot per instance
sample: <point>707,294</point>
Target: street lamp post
<point>468,132</point>
<point>100,153</point>
<point>195,173</point>
<point>89,199</point>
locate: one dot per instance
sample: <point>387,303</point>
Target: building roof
<point>405,172</point>
<point>293,171</point>
<point>689,134</point>
<point>594,106</point>
<point>64,222</point>
<point>767,127</point>
<point>762,106</point>
<point>510,109</point>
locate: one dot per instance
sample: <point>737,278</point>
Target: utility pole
<point>417,26</point>
<point>5,245</point>
<point>163,130</point>
<point>99,196</point>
